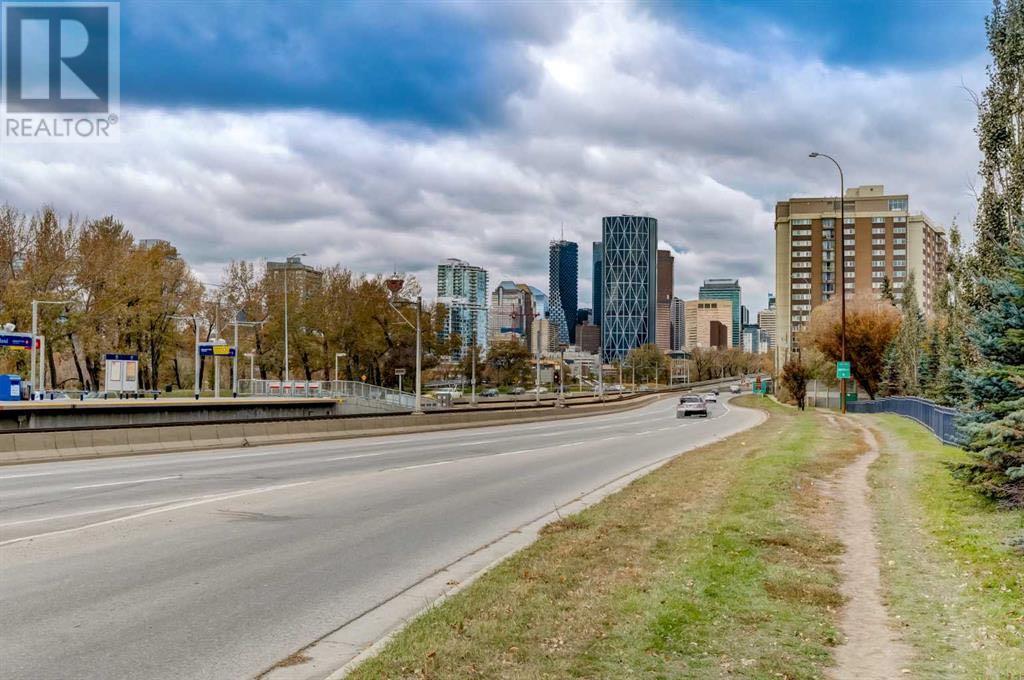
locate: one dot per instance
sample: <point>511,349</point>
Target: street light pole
<point>472,379</point>
<point>287,268</point>
<point>395,284</point>
<point>842,270</point>
<point>35,334</point>
<point>337,355</point>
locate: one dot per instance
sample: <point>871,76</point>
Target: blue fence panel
<point>941,420</point>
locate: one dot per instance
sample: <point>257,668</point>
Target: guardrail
<point>941,420</point>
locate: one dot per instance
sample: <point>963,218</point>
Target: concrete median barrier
<point>23,447</point>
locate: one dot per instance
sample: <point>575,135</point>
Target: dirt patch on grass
<point>872,648</point>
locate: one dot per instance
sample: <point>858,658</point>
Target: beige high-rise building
<point>883,240</point>
<point>663,328</point>
<point>767,322</point>
<point>708,323</point>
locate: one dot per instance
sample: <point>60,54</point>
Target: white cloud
<point>629,115</point>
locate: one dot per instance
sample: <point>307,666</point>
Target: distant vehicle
<point>490,392</point>
<point>614,388</point>
<point>645,388</point>
<point>735,389</point>
<point>692,405</point>
<point>518,390</point>
<point>713,396</point>
<point>538,390</point>
<point>454,394</point>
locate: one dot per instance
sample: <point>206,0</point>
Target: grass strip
<point>952,561</point>
<point>719,564</point>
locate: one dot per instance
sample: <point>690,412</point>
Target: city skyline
<point>437,172</point>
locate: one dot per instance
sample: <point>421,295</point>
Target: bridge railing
<point>332,389</point>
<point>941,420</point>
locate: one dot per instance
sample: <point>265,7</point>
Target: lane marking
<point>359,455</point>
<point>483,441</point>
<point>421,465</point>
<point>200,500</point>
<point>130,481</point>
<point>100,511</point>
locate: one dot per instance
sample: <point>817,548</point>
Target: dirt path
<point>872,650</point>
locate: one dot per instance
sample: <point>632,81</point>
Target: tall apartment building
<point>678,329</point>
<point>663,331</point>
<point>766,321</point>
<point>596,281</point>
<point>511,312</point>
<point>302,278</point>
<point>882,240</point>
<point>725,289</point>
<point>628,295</point>
<point>462,289</point>
<point>563,282</point>
<point>706,320</point>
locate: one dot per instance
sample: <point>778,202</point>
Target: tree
<point>647,360</point>
<point>871,324</point>
<point>993,430</point>
<point>1001,139</point>
<point>508,362</point>
<point>795,375</point>
<point>907,343</point>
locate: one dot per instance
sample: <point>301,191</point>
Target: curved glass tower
<point>563,275</point>
<point>629,273</point>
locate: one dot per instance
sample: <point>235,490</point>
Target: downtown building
<point>663,303</point>
<point>726,289</point>
<point>882,240</point>
<point>678,328</point>
<point>462,289</point>
<point>511,312</point>
<point>628,298</point>
<point>563,286</point>
<point>766,320</point>
<point>709,324</point>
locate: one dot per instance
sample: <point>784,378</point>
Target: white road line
<point>513,453</point>
<point>130,481</point>
<point>359,455</point>
<point>99,511</point>
<point>156,511</point>
<point>421,465</point>
<point>483,441</point>
<point>608,439</point>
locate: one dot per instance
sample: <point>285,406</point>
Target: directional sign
<point>120,357</point>
<point>16,340</point>
<point>842,369</point>
<point>208,350</point>
<point>399,371</point>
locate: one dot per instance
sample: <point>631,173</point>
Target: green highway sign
<point>842,369</point>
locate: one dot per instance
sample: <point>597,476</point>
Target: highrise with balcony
<point>462,289</point>
<point>563,286</point>
<point>882,239</point>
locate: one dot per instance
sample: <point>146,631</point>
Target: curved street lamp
<point>395,285</point>
<point>842,269</point>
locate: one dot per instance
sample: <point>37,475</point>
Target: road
<point>219,564</point>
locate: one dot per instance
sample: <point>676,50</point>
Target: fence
<point>941,420</point>
<point>382,396</point>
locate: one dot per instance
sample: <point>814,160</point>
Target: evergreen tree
<point>887,293</point>
<point>889,386</point>
<point>953,313</point>
<point>993,430</point>
<point>928,365</point>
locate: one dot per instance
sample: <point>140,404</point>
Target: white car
<point>711,396</point>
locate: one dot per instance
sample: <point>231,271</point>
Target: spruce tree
<point>907,344</point>
<point>993,430</point>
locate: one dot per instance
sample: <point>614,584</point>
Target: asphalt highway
<point>219,564</point>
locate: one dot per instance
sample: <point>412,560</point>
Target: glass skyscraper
<point>629,278</point>
<point>462,289</point>
<point>563,280</point>
<point>596,282</point>
<point>726,289</point>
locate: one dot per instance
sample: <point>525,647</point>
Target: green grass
<point>952,562</point>
<point>716,565</point>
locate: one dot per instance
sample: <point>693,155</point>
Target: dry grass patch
<point>713,566</point>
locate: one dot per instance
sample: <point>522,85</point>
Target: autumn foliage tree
<point>871,325</point>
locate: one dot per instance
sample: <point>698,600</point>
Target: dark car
<point>692,405</point>
<point>518,390</point>
<point>490,392</point>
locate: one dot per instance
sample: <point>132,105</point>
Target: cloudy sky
<point>384,136</point>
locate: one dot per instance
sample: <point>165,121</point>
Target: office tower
<point>563,284</point>
<point>588,337</point>
<point>771,300</point>
<point>597,281</point>
<point>766,321</point>
<point>629,245</point>
<point>706,320</point>
<point>678,329</point>
<point>663,334</point>
<point>462,289</point>
<point>302,278</point>
<point>540,302</point>
<point>882,240</point>
<point>584,316</point>
<point>744,315</point>
<point>542,336</point>
<point>725,289</point>
<point>511,312</point>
